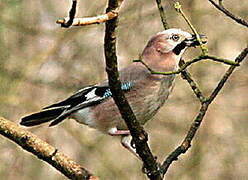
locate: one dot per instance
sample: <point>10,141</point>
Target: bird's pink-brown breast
<point>145,97</point>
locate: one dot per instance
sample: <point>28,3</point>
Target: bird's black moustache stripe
<point>177,50</point>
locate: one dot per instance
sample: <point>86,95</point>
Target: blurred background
<point>41,63</point>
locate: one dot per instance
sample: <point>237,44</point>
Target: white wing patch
<point>91,94</point>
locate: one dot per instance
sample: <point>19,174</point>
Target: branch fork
<point>73,21</point>
<point>89,20</point>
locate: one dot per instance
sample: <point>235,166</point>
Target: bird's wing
<point>94,95</point>
<point>85,97</point>
<point>77,98</point>
<point>89,94</point>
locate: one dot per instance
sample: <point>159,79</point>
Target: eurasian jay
<point>146,92</point>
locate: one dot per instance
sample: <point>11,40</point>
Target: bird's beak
<point>192,41</point>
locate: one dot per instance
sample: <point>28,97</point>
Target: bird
<point>146,92</point>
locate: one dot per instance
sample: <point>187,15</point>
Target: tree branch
<point>71,21</point>
<point>185,145</point>
<point>218,59</point>
<point>186,64</point>
<point>187,76</point>
<point>138,133</point>
<point>90,20</point>
<point>238,60</point>
<point>44,151</point>
<point>228,13</point>
<point>203,47</point>
<point>72,12</point>
<point>205,102</point>
<point>162,14</point>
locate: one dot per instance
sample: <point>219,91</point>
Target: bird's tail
<point>42,117</point>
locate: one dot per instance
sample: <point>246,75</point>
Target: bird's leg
<point>126,142</point>
<point>126,139</point>
<point>115,132</point>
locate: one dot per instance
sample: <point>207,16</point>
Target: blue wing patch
<point>107,93</point>
<point>124,86</point>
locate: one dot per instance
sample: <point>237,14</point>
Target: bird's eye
<point>175,37</point>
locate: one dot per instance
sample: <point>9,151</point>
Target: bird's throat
<point>162,62</point>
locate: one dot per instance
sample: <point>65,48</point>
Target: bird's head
<point>169,43</point>
<point>174,40</point>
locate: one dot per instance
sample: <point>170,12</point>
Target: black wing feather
<point>73,100</point>
<point>61,110</point>
<point>41,117</point>
<point>68,112</point>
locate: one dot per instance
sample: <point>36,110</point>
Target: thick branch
<point>229,14</point>
<point>138,134</point>
<point>44,151</point>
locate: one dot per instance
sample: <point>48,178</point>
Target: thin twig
<point>205,102</point>
<point>43,151</point>
<point>72,12</point>
<point>203,47</point>
<point>221,60</point>
<point>226,75</point>
<point>139,135</point>
<point>185,145</point>
<point>228,13</point>
<point>162,14</point>
<point>188,63</point>
<point>187,76</point>
<point>90,20</point>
